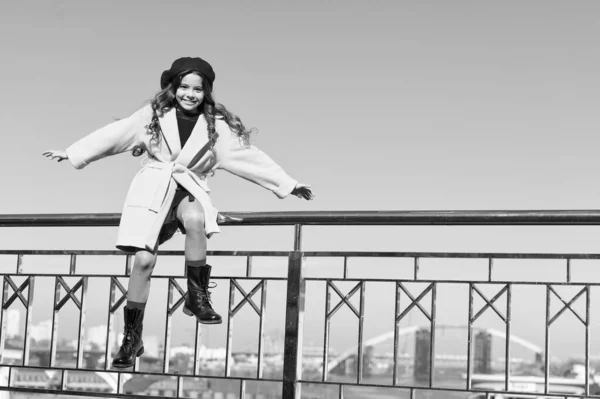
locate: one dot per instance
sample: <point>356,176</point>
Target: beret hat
<point>187,64</point>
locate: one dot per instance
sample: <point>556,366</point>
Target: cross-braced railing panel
<point>399,315</point>
<point>489,305</point>
<point>344,300</point>
<point>260,310</point>
<point>552,292</point>
<point>59,302</point>
<point>7,301</point>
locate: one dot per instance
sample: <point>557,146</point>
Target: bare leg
<point>198,302</point>
<point>139,282</point>
<point>191,215</point>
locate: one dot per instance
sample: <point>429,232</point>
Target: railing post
<point>294,323</point>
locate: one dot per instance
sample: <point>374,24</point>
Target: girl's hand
<point>54,154</point>
<point>303,191</point>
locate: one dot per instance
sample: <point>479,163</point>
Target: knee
<point>194,223</point>
<point>144,262</point>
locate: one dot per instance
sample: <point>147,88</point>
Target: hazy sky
<point>380,105</point>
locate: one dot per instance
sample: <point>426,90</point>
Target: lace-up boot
<point>197,301</point>
<point>132,345</point>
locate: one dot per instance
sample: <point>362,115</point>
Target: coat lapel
<point>194,144</point>
<point>168,125</point>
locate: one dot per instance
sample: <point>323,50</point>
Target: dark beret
<point>187,64</point>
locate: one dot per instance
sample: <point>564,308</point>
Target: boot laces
<point>128,338</point>
<point>203,295</point>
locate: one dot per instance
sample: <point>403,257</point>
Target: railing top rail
<point>457,218</point>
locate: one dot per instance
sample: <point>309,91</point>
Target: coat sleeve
<point>114,138</point>
<point>250,163</point>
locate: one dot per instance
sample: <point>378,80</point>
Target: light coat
<point>152,190</point>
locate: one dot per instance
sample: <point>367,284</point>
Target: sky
<point>383,105</point>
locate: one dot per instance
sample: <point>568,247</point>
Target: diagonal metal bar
<point>70,293</point>
<point>490,303</point>
<point>176,305</point>
<point>247,297</point>
<point>63,283</point>
<point>345,299</point>
<point>118,303</point>
<point>182,293</point>
<point>116,283</point>
<point>18,292</point>
<point>415,301</point>
<point>119,285</point>
<point>567,305</point>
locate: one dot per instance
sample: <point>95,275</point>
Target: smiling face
<point>190,94</point>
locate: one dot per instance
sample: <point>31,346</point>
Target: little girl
<point>186,135</point>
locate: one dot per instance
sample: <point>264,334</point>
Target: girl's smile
<point>189,94</point>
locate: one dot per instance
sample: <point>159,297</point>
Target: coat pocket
<point>148,188</point>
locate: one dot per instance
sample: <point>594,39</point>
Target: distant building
<point>41,331</point>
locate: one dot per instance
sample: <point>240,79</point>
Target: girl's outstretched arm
<point>252,164</point>
<point>114,138</point>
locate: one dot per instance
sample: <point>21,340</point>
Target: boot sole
<point>189,313</point>
<point>126,366</point>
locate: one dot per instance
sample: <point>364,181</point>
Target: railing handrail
<point>448,217</point>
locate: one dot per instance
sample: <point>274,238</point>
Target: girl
<point>186,135</point>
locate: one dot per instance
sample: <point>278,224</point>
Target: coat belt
<point>179,173</point>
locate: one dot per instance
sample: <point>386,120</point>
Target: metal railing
<point>292,369</point>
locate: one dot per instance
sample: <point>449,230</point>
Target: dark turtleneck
<point>186,122</point>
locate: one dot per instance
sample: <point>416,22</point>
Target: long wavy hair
<point>165,100</point>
